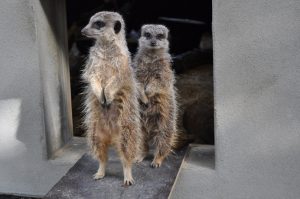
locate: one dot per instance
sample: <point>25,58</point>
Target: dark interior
<point>190,46</point>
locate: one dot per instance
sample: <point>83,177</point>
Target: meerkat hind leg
<point>102,157</point>
<point>127,170</point>
<point>127,152</point>
<point>163,148</point>
<point>142,154</point>
<point>144,147</point>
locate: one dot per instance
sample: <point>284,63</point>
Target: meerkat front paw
<point>109,97</point>
<point>143,106</point>
<point>99,175</point>
<point>102,99</point>
<point>144,100</point>
<point>105,99</point>
<point>149,91</point>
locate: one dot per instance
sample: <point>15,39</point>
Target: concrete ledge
<point>70,153</point>
<point>48,172</point>
<point>196,172</point>
<point>150,183</point>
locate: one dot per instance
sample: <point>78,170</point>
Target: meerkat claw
<point>128,182</point>
<point>155,165</point>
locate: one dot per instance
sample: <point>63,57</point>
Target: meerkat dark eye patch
<point>160,36</point>
<point>117,27</point>
<point>147,35</point>
<point>98,25</point>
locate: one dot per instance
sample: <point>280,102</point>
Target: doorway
<point>190,46</point>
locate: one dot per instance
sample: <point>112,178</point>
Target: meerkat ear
<point>167,34</point>
<point>117,27</point>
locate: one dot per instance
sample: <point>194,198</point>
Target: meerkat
<point>152,65</point>
<point>111,104</point>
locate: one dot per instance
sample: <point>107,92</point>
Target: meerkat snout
<point>154,37</point>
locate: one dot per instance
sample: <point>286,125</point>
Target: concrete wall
<point>34,107</point>
<point>257,98</point>
<point>257,103</point>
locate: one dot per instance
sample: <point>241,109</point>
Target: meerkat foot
<point>128,181</point>
<point>140,158</point>
<point>99,175</point>
<point>156,163</point>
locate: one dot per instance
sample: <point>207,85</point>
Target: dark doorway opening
<point>190,45</point>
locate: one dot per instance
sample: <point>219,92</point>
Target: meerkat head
<point>154,37</point>
<point>105,27</point>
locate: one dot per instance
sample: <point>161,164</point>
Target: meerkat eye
<point>160,36</point>
<point>98,25</point>
<point>147,35</point>
<point>117,27</point>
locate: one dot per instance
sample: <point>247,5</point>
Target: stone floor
<point>149,183</point>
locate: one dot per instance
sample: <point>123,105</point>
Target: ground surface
<point>150,183</point>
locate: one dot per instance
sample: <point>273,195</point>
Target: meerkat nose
<point>83,31</point>
<point>153,43</point>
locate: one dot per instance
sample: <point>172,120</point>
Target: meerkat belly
<point>106,115</point>
<point>152,112</point>
<point>111,113</point>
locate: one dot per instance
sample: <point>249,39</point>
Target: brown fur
<point>111,106</point>
<point>158,94</point>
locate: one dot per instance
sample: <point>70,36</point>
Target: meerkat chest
<point>104,71</point>
<point>149,71</point>
<point>107,65</point>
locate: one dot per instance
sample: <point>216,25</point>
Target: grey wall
<point>257,103</point>
<point>257,98</point>
<point>34,111</point>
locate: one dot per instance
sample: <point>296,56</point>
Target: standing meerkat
<point>152,65</point>
<point>111,104</point>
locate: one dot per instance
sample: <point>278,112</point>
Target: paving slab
<point>150,183</point>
